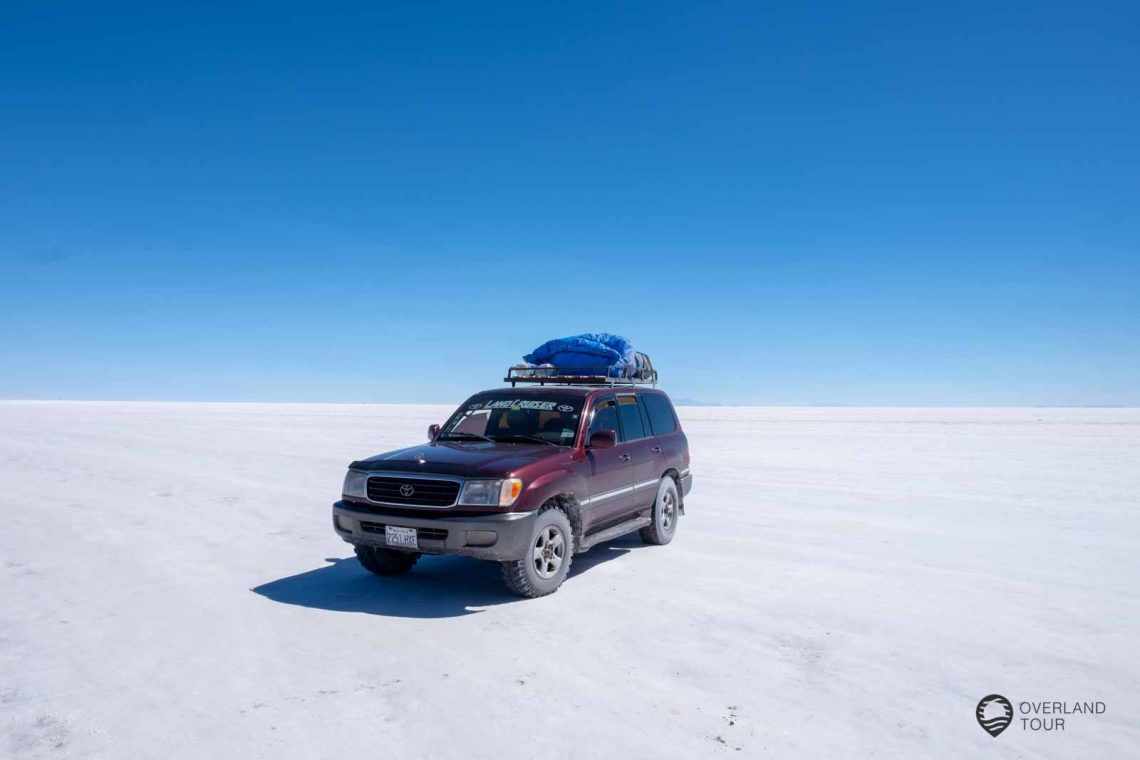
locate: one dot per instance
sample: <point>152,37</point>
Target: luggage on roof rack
<point>586,359</point>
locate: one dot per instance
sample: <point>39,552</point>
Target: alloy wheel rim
<point>549,552</point>
<point>668,510</point>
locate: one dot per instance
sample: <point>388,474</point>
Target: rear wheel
<point>386,561</point>
<point>665,512</point>
<point>547,560</point>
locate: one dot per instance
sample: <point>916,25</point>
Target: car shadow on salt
<point>437,587</point>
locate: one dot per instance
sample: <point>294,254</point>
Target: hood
<point>464,460</point>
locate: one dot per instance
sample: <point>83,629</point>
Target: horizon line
<point>679,403</point>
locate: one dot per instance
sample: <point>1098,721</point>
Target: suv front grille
<point>424,492</point>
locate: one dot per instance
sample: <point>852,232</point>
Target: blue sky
<point>796,203</point>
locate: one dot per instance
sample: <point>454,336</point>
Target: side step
<point>629,526</point>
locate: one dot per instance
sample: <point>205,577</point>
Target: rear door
<point>611,470</point>
<point>644,453</point>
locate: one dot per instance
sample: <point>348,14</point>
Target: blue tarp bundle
<point>601,352</point>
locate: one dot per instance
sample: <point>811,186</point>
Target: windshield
<point>549,419</point>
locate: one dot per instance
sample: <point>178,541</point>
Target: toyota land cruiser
<point>526,477</point>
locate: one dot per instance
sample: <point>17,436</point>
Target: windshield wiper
<point>529,438</point>
<point>464,436</point>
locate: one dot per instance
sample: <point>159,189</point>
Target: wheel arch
<point>676,476</point>
<point>568,503</point>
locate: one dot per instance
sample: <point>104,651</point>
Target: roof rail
<point>594,376</point>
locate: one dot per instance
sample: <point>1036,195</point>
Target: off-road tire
<point>386,561</point>
<point>666,509</point>
<point>523,576</point>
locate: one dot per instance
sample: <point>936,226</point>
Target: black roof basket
<point>578,375</point>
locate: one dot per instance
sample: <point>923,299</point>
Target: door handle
<point>656,449</point>
<point>623,457</point>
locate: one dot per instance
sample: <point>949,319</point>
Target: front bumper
<point>501,538</point>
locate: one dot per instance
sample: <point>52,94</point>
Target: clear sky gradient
<point>885,203</point>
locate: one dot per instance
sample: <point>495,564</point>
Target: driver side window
<point>605,416</point>
<point>476,423</point>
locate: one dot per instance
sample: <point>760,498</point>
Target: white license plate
<point>401,537</point>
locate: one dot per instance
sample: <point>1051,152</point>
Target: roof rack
<point>575,376</point>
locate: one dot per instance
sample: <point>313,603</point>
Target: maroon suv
<point>525,477</point>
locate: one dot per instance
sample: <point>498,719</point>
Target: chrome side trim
<point>607,495</point>
<point>619,491</point>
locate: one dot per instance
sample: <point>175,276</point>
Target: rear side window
<point>631,425</point>
<point>660,411</point>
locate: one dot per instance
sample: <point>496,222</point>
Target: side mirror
<point>433,432</point>
<point>603,439</point>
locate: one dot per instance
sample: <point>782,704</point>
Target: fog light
<point>481,537</point>
<point>343,524</point>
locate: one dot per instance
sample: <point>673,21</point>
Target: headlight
<point>491,493</point>
<point>355,485</point>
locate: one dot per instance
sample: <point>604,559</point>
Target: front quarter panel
<point>567,478</point>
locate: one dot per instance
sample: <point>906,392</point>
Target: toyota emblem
<point>406,490</point>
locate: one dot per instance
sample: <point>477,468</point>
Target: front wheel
<point>385,561</point>
<point>547,560</point>
<point>665,512</point>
